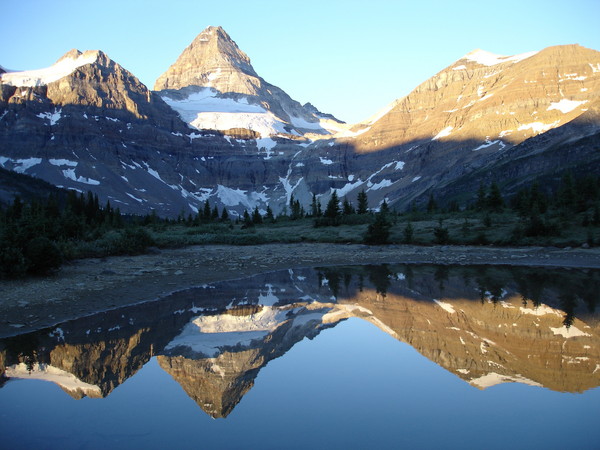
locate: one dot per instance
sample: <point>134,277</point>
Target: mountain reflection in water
<point>487,325</point>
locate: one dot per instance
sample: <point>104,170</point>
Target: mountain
<point>213,85</point>
<point>214,130</point>
<point>87,123</point>
<point>472,113</point>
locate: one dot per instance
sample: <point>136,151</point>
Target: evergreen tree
<point>206,212</point>
<point>247,220</point>
<point>347,208</point>
<point>269,217</point>
<point>295,208</point>
<point>408,233</point>
<point>566,193</point>
<point>314,208</point>
<point>384,209</point>
<point>363,203</point>
<point>378,232</point>
<point>480,204</point>
<point>441,234</point>
<point>256,217</point>
<point>431,204</point>
<point>215,214</point>
<point>224,215</point>
<point>495,202</point>
<point>332,211</point>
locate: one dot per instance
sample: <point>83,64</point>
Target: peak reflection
<point>486,325</point>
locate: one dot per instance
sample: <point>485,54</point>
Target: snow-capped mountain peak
<point>66,65</point>
<point>239,98</point>
<point>485,58</point>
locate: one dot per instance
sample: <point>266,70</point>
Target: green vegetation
<point>36,237</point>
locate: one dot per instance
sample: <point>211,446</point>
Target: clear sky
<point>348,57</point>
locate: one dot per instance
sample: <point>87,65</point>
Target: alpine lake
<point>355,357</point>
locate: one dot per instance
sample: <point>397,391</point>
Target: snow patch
<point>490,59</point>
<point>234,197</point>
<point>55,375</point>
<point>565,106</point>
<point>268,299</point>
<point>204,109</point>
<point>133,197</point>
<point>62,162</point>
<point>489,143</point>
<point>52,117</point>
<point>445,132</point>
<point>42,77</point>
<point>383,183</point>
<point>568,332</point>
<point>70,174</point>
<point>445,306</point>
<point>541,310</point>
<point>538,127</point>
<point>267,145</point>
<point>493,378</point>
<point>348,187</point>
<point>325,161</point>
<point>20,165</point>
<point>208,334</point>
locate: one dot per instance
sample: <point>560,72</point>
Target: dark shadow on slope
<point>105,142</point>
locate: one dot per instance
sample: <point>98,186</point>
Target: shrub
<point>378,232</point>
<point>134,241</point>
<point>42,255</point>
<point>441,234</point>
<point>12,262</point>
<point>408,233</point>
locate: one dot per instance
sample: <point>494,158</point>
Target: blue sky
<point>349,58</point>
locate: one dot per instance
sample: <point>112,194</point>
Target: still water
<point>392,356</point>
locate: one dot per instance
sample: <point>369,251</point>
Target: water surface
<point>353,357</point>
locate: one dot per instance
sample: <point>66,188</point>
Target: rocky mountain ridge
<point>217,131</point>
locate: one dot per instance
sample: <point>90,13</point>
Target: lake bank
<point>87,286</point>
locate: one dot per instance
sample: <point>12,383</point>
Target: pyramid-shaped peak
<point>211,55</point>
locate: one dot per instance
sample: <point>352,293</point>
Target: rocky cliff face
<point>217,131</point>
<point>87,123</point>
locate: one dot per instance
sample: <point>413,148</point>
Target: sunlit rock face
<point>485,325</point>
<point>501,100</point>
<point>214,86</point>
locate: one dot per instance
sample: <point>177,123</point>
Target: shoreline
<point>88,286</point>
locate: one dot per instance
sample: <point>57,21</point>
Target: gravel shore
<point>91,285</point>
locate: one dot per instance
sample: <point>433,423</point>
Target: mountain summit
<point>213,85</point>
<point>213,59</point>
